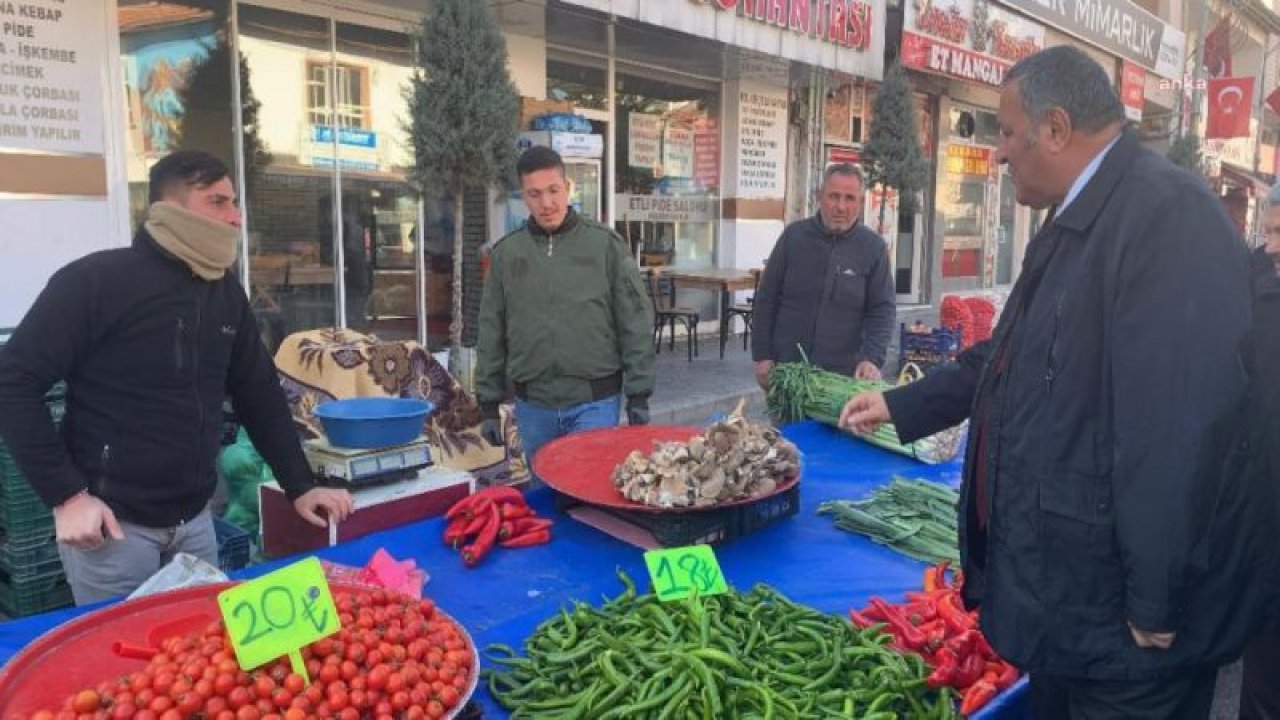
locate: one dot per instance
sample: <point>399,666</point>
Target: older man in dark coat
<point>1260,694</point>
<point>1107,527</point>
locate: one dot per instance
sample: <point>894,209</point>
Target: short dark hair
<point>1064,77</point>
<point>184,169</point>
<point>846,169</point>
<point>539,157</point>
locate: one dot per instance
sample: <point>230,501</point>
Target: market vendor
<point>149,339</point>
<point>565,317</point>
<point>1110,531</point>
<point>827,290</point>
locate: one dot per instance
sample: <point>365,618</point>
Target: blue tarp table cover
<point>804,556</point>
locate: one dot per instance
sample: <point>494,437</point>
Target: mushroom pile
<point>732,460</point>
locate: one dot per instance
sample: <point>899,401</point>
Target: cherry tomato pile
<point>395,658</point>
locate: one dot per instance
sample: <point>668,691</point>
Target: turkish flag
<point>1273,100</point>
<point>1217,49</point>
<point>1230,107</point>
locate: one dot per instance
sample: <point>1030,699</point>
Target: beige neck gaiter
<point>207,246</point>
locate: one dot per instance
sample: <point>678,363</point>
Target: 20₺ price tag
<point>279,614</point>
<point>678,573</point>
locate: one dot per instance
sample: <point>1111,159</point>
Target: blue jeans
<point>540,425</point>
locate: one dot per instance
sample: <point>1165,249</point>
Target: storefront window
<point>291,205</point>
<point>177,76</point>
<point>966,198</point>
<point>668,179</point>
<point>379,208</point>
<point>334,192</point>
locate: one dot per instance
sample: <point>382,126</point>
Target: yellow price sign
<point>680,572</point>
<point>279,614</point>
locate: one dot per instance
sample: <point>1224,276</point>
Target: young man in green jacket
<point>564,317</point>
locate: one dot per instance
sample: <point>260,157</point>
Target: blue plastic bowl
<point>367,423</point>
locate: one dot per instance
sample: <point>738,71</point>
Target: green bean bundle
<point>799,390</point>
<point>747,656</point>
<point>915,517</point>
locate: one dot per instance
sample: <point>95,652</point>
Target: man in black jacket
<point>1110,533</point>
<point>149,340</point>
<point>1260,690</point>
<point>827,288</point>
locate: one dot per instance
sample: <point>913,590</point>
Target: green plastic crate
<point>19,554</point>
<point>36,594</point>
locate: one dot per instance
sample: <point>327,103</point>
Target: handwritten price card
<point>678,573</point>
<point>279,614</point>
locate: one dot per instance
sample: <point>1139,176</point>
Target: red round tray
<point>79,654</point>
<point>581,465</point>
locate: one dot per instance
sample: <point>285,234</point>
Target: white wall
<point>41,235</point>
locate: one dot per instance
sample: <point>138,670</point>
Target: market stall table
<point>504,599</point>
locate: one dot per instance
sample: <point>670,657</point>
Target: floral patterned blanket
<point>320,365</point>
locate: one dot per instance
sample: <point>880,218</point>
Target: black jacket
<point>1112,435</point>
<point>148,352</point>
<point>1265,398</point>
<point>830,294</point>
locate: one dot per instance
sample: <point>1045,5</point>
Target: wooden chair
<point>744,310</point>
<point>666,314</point>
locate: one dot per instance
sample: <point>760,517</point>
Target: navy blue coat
<point>1113,447</point>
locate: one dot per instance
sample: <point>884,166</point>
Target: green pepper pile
<point>738,655</point>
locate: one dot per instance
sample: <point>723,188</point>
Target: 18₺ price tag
<point>279,614</point>
<point>678,573</point>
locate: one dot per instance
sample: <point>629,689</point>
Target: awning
<point>1260,182</point>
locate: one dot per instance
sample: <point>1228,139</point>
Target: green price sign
<point>279,614</point>
<point>678,573</point>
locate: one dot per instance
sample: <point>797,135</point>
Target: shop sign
<point>51,76</point>
<point>570,145</point>
<point>1133,82</point>
<point>706,156</point>
<point>968,160</point>
<point>664,208</point>
<point>677,152</point>
<point>762,141</point>
<point>967,39</point>
<point>842,35</point>
<point>837,154</point>
<point>847,23</point>
<point>644,140</point>
<point>1238,151</point>
<point>357,149</point>
<point>1118,26</point>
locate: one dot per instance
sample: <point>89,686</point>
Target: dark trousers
<point>1260,690</point>
<point>1185,697</point>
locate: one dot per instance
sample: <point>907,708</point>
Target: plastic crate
<point>705,527</point>
<point>25,520</point>
<point>927,350</point>
<point>23,557</point>
<point>22,596</point>
<point>234,545</point>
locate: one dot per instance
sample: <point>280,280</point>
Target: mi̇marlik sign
<point>1117,26</point>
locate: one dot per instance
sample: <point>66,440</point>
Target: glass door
<point>1006,231</point>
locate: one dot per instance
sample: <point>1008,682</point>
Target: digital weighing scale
<point>366,467</point>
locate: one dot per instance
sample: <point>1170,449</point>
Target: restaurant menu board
<point>644,140</point>
<point>762,141</point>
<point>50,75</point>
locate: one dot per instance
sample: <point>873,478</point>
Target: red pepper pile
<point>984,316</point>
<point>956,315</point>
<point>496,515</point>
<point>935,625</point>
